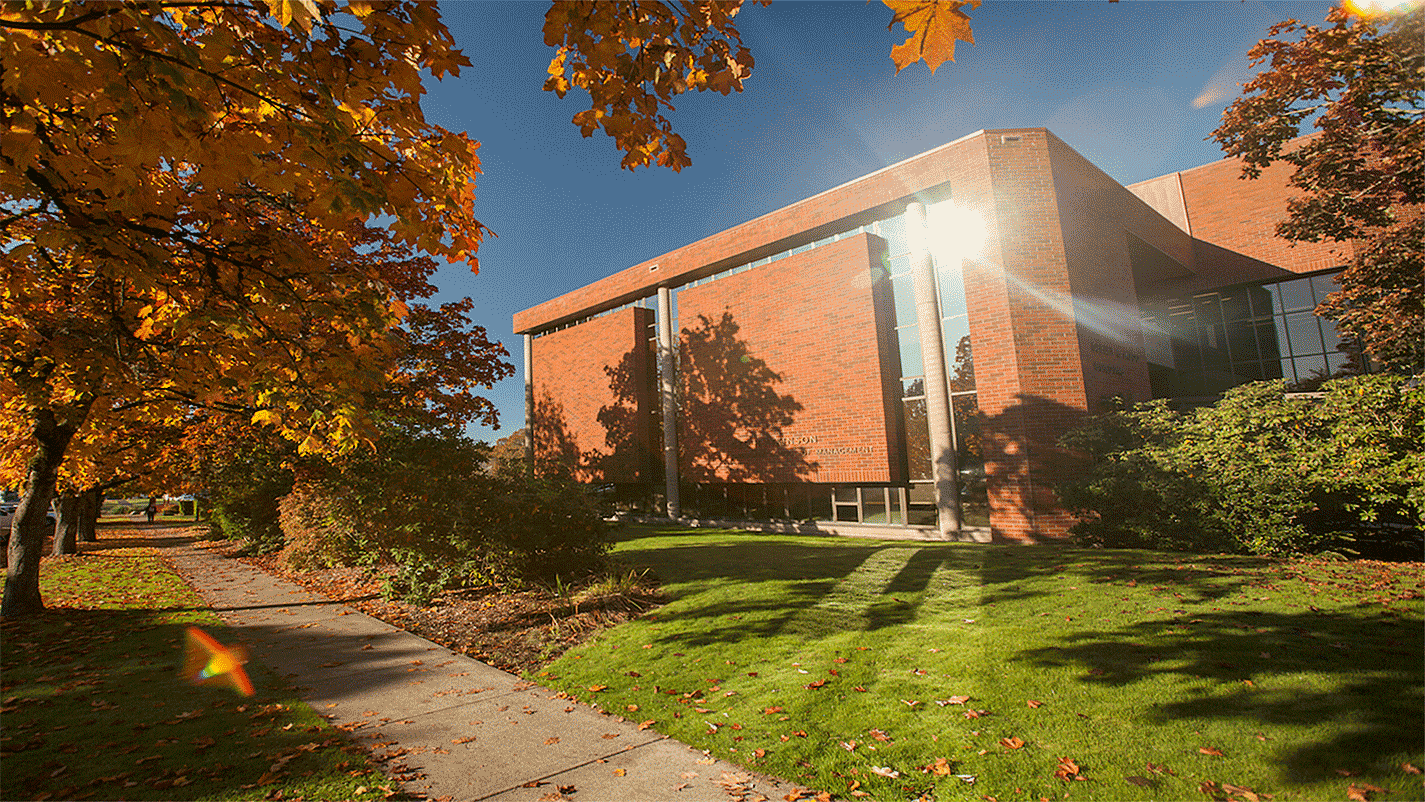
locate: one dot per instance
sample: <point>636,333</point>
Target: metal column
<point>666,384</point>
<point>529,404</point>
<point>937,388</point>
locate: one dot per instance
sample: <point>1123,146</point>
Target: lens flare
<point>207,662</point>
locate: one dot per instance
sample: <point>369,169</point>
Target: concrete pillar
<point>666,392</point>
<point>937,387</point>
<point>529,404</point>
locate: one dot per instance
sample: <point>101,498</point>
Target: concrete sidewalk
<point>456,728</point>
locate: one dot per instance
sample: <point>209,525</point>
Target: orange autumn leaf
<point>1210,750</point>
<point>934,26</point>
<point>1011,743</point>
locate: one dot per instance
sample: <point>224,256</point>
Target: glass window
<point>954,329</point>
<point>903,288</point>
<point>1272,368</point>
<point>911,363</point>
<point>1337,362</point>
<point>1235,306</point>
<point>917,440</point>
<point>801,249</point>
<point>847,513</point>
<point>873,505</point>
<point>1303,333</point>
<point>1295,295</point>
<point>1311,370</point>
<point>1330,336</point>
<point>913,388</point>
<point>1262,305</point>
<point>952,291</point>
<point>894,515</point>
<point>764,260</point>
<point>844,495</point>
<point>1324,285</point>
<point>1242,340</point>
<point>824,241</point>
<point>1208,308</point>
<point>920,505</point>
<point>961,363</point>
<point>893,231</point>
<point>1271,347</point>
<point>899,266</point>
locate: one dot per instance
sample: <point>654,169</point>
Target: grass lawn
<point>893,669</point>
<point>93,707</point>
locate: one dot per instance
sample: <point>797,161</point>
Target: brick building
<point>905,349</point>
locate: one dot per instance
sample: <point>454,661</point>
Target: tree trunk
<point>89,503</point>
<point>66,526</point>
<point>27,537</point>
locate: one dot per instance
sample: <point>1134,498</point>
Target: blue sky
<point>1135,86</point>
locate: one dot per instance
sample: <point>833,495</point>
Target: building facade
<point>905,350</point>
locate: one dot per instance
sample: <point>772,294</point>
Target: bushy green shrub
<point>1259,472</point>
<point>424,504</point>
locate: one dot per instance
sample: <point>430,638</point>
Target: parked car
<point>7,516</point>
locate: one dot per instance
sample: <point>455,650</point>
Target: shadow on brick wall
<point>731,414</point>
<point>1023,461</point>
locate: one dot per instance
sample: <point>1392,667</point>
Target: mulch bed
<point>517,631</point>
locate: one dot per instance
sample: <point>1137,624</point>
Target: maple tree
<point>190,190</point>
<point>1360,83</point>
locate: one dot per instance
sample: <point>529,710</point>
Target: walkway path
<point>460,730</point>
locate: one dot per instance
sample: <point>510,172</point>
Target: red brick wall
<point>592,396</point>
<point>812,319</point>
<point>760,237</point>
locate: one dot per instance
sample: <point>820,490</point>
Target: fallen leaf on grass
<point>941,766</point>
<point>1409,768</point>
<point>1211,750</point>
<point>954,700</point>
<point>631,708</point>
<point>597,688</point>
<point>1011,743</point>
<point>1362,792</point>
<point>1034,703</point>
<point>849,746</point>
<point>1069,770</point>
<point>976,713</point>
<point>885,771</point>
<point>811,686</point>
<point>643,725</point>
<point>771,710</point>
<point>859,689</point>
<point>1157,769</point>
<point>909,702</point>
<point>1246,794</point>
<point>880,735</point>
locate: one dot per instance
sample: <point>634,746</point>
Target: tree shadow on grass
<point>94,706</point>
<point>1368,670</point>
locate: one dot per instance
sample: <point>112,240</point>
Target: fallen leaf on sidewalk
<point>552,740</point>
<point>620,772</point>
<point>467,739</point>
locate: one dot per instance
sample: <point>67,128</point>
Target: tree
<point>189,191</point>
<point>1360,83</point>
<point>633,57</point>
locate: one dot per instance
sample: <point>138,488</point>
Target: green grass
<point>1305,676</point>
<point>93,707</point>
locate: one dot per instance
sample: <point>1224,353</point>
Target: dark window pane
<point>844,495</point>
<point>913,388</point>
<point>1330,337</point>
<point>1242,340</point>
<point>819,502</point>
<point>1338,363</point>
<point>961,364</point>
<point>1271,348</point>
<point>846,513</point>
<point>1272,368</point>
<point>1262,305</point>
<point>1208,308</point>
<point>917,440</point>
<point>1235,306</point>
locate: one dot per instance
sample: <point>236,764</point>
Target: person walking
<point>151,510</point>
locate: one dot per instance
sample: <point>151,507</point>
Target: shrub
<point>1259,472</point>
<point>318,529</point>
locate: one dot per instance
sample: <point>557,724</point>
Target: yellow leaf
<point>933,25</point>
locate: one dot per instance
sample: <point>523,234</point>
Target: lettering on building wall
<point>1102,368</point>
<point>834,450</point>
<point>798,440</point>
